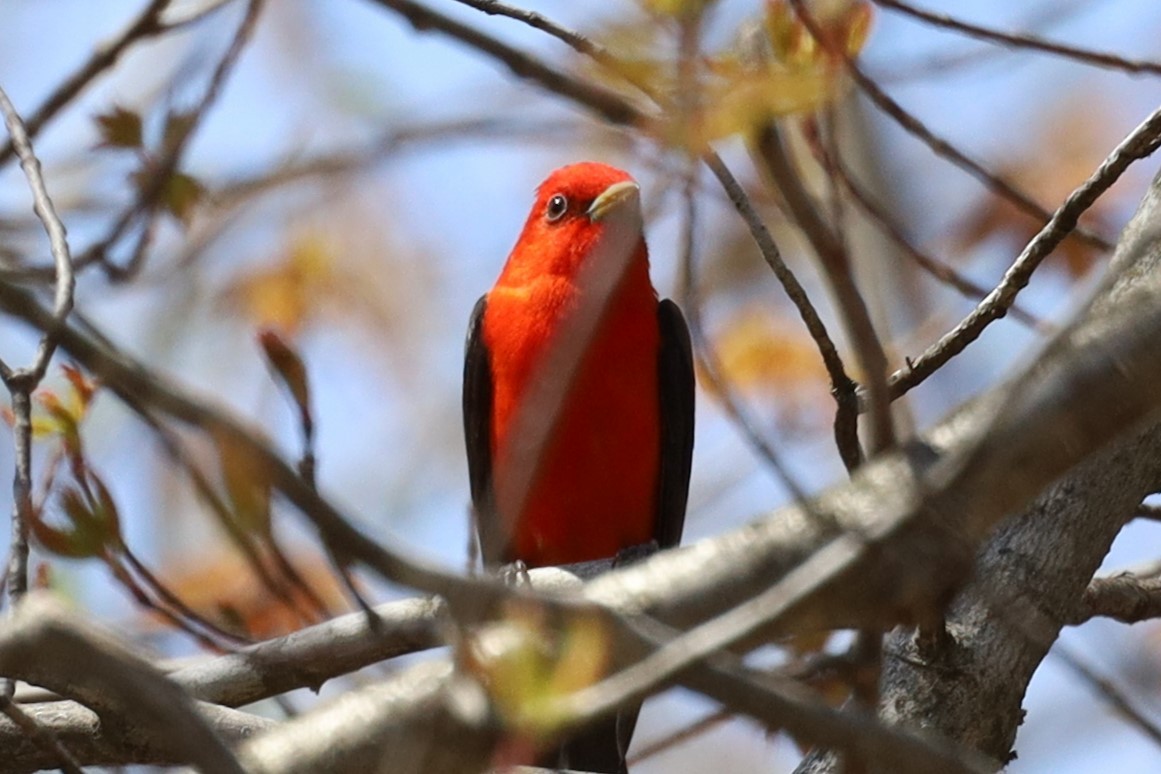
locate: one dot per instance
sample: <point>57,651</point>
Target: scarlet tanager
<point>579,399</point>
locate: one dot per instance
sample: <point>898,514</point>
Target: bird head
<point>577,207</point>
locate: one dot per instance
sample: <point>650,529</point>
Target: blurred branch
<point>244,541</point>
<point>842,387</point>
<point>704,349</point>
<point>835,263</point>
<point>231,194</point>
<point>29,729</point>
<point>941,147</point>
<point>403,725</point>
<point>940,270</point>
<point>1025,41</point>
<point>45,645</point>
<point>1113,695</point>
<point>1048,13</point>
<point>680,736</point>
<point>104,58</point>
<point>80,730</point>
<point>604,103</point>
<point>180,129</point>
<point>395,139</point>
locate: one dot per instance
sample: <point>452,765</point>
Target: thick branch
<point>43,645</point>
<point>79,730</point>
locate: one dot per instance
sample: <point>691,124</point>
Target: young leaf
<point>119,128</point>
<point>289,368</point>
<point>181,196</point>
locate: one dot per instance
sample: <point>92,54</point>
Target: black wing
<point>676,385</point>
<point>478,432</point>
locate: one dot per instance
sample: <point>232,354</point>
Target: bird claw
<point>515,574</point>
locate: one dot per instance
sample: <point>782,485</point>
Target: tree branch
<point>44,645</point>
<point>1125,597</point>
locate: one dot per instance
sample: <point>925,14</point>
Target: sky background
<point>416,234</point>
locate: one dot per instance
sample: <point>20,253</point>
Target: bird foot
<point>515,574</point>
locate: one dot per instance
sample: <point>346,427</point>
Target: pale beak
<point>612,198</point>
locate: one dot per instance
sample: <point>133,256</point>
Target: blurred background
<point>357,185</point>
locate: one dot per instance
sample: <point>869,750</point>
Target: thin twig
<point>691,300</point>
<point>843,388</point>
<point>941,147</point>
<point>103,59</point>
<point>16,572</point>
<point>1109,692</point>
<point>1140,143</point>
<point>21,382</point>
<point>145,208</point>
<point>570,38</point>
<point>936,268</point>
<point>1026,41</point>
<point>1052,13</point>
<point>241,538</point>
<point>177,605</point>
<point>705,353</point>
<point>835,264</point>
<point>42,205</point>
<point>609,105</point>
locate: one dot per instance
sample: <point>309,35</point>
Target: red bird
<point>579,398</point>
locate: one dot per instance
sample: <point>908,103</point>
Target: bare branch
<point>1125,597</point>
<point>937,144</point>
<point>1026,41</point>
<point>80,730</point>
<point>1110,693</point>
<point>21,382</point>
<point>843,388</point>
<point>145,208</point>
<point>707,356</point>
<point>570,38</point>
<point>606,104</point>
<point>681,735</point>
<point>835,264</point>
<point>936,268</point>
<point>30,377</point>
<point>103,59</point>
<point>311,656</point>
<point>44,645</point>
<point>1139,144</point>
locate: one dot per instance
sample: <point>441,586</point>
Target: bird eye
<point>557,206</point>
